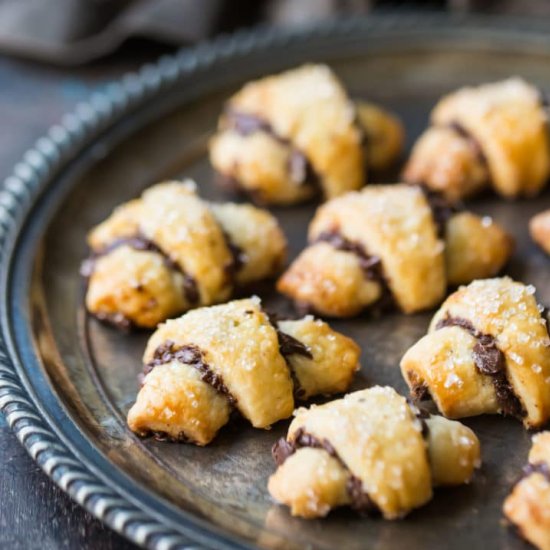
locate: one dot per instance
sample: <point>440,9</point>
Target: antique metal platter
<point>66,381</point>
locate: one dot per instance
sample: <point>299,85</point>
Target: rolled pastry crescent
<point>395,241</point>
<point>495,134</point>
<point>487,351</point>
<point>169,251</point>
<point>527,507</point>
<point>283,138</point>
<point>211,361</point>
<point>372,450</point>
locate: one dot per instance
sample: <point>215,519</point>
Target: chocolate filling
<point>545,314</point>
<point>299,168</point>
<point>419,389</point>
<point>238,257</point>
<point>164,436</point>
<point>422,415</point>
<point>371,265</point>
<point>194,357</point>
<point>536,468</point>
<point>489,360</point>
<point>117,320</point>
<point>442,209</point>
<point>471,139</point>
<point>288,345</point>
<point>360,500</point>
<point>139,242</point>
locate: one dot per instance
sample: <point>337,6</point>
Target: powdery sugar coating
<point>509,123</point>
<point>378,440</point>
<point>506,311</point>
<point>241,361</point>
<point>197,253</point>
<point>392,229</point>
<point>306,113</point>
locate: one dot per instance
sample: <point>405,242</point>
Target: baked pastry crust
<point>244,360</point>
<point>284,137</point>
<point>528,505</point>
<point>539,228</point>
<point>170,251</point>
<point>487,351</point>
<point>372,450</point>
<point>495,133</point>
<point>385,240</point>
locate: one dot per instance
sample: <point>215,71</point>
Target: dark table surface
<point>34,512</point>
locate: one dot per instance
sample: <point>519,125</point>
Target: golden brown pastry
<point>495,134</point>
<point>395,241</point>
<point>487,351</point>
<point>283,138</point>
<point>372,450</point>
<point>200,367</point>
<point>528,505</point>
<point>539,228</point>
<point>170,251</point>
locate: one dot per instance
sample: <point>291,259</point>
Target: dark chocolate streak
<point>139,242</point>
<point>419,389</point>
<point>473,142</point>
<point>301,171</point>
<point>360,500</point>
<point>194,357</point>
<point>545,314</point>
<point>442,209</point>
<point>117,320</point>
<point>544,98</point>
<point>489,360</point>
<point>371,265</point>
<point>163,436</point>
<point>238,257</point>
<point>536,468</point>
<point>288,345</point>
<point>421,415</point>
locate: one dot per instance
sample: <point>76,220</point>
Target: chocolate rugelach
<point>291,137</point>
<point>467,148</point>
<point>486,352</point>
<point>372,450</point>
<point>409,244</point>
<point>170,251</point>
<point>201,367</point>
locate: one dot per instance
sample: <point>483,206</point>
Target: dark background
<point>34,93</point>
